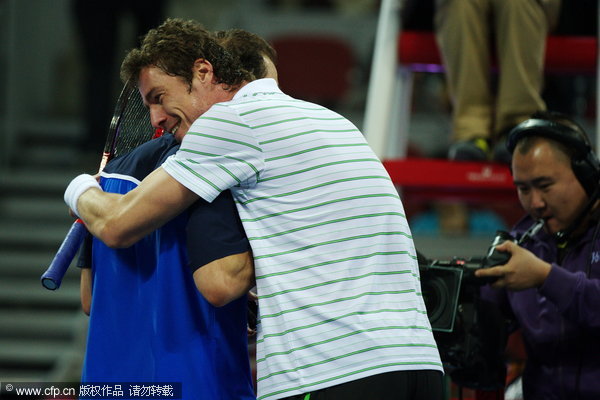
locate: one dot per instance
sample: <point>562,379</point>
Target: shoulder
<point>143,159</point>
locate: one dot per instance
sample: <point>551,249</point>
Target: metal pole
<point>382,82</point>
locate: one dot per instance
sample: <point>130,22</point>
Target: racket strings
<point>134,127</point>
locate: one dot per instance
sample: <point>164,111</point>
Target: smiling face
<point>546,185</point>
<point>173,104</point>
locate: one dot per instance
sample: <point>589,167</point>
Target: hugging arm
<point>219,251</point>
<point>226,279</point>
<point>122,220</point>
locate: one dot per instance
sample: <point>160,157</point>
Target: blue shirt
<point>148,322</point>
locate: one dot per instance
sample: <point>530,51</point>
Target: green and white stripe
<point>336,267</point>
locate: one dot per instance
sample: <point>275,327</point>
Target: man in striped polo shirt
<point>341,309</point>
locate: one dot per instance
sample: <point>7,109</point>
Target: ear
<point>203,70</point>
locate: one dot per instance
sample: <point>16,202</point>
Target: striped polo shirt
<point>336,267</point>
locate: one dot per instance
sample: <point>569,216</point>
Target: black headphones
<point>584,161</point>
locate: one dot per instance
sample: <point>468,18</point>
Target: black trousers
<point>398,385</point>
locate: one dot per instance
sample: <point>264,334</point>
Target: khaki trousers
<point>472,33</point>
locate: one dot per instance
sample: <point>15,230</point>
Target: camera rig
<point>471,333</point>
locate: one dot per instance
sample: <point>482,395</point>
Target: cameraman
<point>551,285</point>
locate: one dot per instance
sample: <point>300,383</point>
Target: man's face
<point>547,187</point>
<point>172,105</point>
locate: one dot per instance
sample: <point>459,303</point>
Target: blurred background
<point>59,63</point>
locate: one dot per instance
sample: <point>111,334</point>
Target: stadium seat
<point>316,68</point>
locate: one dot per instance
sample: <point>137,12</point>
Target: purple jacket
<point>560,321</point>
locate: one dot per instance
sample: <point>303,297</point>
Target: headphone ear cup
<point>587,172</point>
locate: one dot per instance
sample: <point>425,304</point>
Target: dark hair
<point>174,47</point>
<point>248,48</point>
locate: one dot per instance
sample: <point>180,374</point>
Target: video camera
<point>471,333</point>
<point>445,283</point>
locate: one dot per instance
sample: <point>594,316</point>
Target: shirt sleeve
<point>575,295</point>
<point>214,231</point>
<point>219,152</point>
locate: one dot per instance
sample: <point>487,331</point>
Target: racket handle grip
<point>52,278</point>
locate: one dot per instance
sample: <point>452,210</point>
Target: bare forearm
<point>100,211</point>
<point>116,219</point>
<point>225,279</point>
<point>122,220</point>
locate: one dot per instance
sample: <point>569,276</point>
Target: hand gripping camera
<point>447,284</point>
<point>495,257</point>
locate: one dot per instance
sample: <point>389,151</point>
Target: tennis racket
<point>129,127</point>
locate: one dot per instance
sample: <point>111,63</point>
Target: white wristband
<point>76,188</point>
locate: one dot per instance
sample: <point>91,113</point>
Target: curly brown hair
<point>174,47</point>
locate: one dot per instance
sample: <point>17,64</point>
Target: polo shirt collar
<point>256,86</point>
